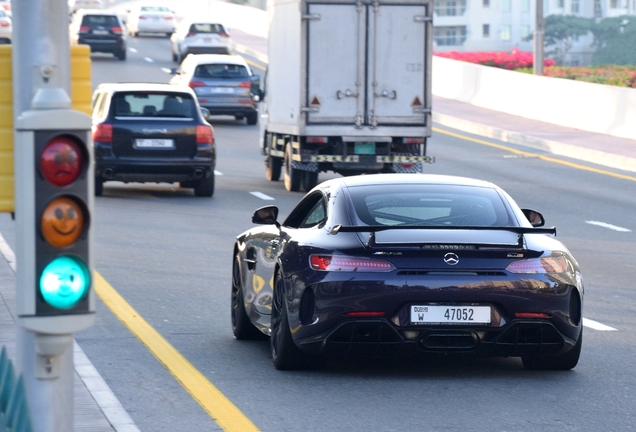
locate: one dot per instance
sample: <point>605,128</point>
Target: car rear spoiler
<point>375,228</point>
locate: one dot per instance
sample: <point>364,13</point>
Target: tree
<point>615,41</point>
<point>561,31</point>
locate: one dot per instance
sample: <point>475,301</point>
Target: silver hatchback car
<point>224,84</point>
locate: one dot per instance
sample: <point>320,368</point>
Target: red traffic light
<point>61,161</point>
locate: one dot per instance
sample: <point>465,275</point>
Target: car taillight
<point>142,17</point>
<point>551,264</point>
<point>204,134</point>
<point>117,30</point>
<point>348,264</point>
<point>190,34</point>
<point>194,84</point>
<point>223,34</point>
<point>84,29</point>
<point>4,24</point>
<point>245,84</point>
<point>103,132</point>
<point>317,140</point>
<point>413,140</point>
<point>168,18</point>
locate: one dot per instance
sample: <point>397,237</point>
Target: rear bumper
<point>164,170</point>
<point>109,46</point>
<point>206,50</point>
<point>233,109</point>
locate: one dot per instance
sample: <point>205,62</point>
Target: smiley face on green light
<point>64,282</point>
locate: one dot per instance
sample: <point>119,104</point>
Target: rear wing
<point>375,228</point>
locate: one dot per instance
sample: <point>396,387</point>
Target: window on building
<point>449,7</point>
<point>485,30</point>
<point>525,5</point>
<point>560,4</point>
<point>575,7</point>
<point>450,35</point>
<point>505,5</point>
<point>525,31</point>
<point>505,33</point>
<point>598,11</point>
<point>486,3</point>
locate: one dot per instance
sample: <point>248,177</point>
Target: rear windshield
<point>100,20</point>
<point>206,28</point>
<point>154,9</point>
<point>153,104</point>
<point>221,71</point>
<point>434,205</point>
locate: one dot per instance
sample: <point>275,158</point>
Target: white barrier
<point>591,107</point>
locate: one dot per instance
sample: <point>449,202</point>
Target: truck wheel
<point>310,180</point>
<point>272,168</point>
<point>292,175</point>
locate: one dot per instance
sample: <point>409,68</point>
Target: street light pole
<point>538,35</point>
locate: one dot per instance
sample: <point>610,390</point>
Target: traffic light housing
<point>54,158</point>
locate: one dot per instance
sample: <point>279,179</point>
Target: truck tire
<point>310,180</point>
<point>272,168</point>
<point>292,175</point>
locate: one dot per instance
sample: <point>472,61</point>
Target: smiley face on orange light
<point>62,222</point>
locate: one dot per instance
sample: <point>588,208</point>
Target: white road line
<point>149,60</point>
<point>7,252</point>
<point>217,173</point>
<point>597,325</point>
<point>133,50</point>
<point>610,226</point>
<point>262,196</point>
<point>166,70</point>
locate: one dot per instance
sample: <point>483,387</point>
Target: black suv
<point>152,133</point>
<point>102,31</point>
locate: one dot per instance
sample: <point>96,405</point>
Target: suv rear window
<point>221,71</point>
<point>153,104</point>
<point>100,20</point>
<point>206,28</point>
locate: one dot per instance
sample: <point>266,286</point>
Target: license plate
<point>207,39</point>
<point>364,148</point>
<point>101,32</point>
<point>221,90</point>
<point>150,143</point>
<point>450,314</point>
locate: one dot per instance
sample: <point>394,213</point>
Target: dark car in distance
<point>401,264</point>
<point>102,31</point>
<point>152,133</point>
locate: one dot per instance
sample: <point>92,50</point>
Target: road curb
<point>558,148</point>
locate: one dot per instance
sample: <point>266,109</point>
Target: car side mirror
<point>266,216</point>
<point>256,98</point>
<point>205,113</point>
<point>535,218</point>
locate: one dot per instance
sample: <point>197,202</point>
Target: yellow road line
<point>545,158</point>
<point>256,65</point>
<point>224,412</point>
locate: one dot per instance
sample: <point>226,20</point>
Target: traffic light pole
<point>41,89</point>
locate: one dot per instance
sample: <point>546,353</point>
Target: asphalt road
<point>169,255</point>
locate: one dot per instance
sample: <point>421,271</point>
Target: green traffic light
<point>64,282</point>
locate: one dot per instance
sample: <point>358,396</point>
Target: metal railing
<point>14,411</point>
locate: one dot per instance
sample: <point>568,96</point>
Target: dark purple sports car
<point>380,265</point>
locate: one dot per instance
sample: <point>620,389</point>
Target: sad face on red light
<point>61,161</point>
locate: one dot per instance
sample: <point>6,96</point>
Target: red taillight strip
<point>342,263</point>
<point>204,134</point>
<point>364,313</point>
<point>103,132</point>
<point>551,264</point>
<point>531,315</point>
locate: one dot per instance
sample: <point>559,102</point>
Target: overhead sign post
<point>53,207</point>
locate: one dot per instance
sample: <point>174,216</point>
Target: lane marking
<point>218,173</point>
<point>529,154</point>
<point>149,60</point>
<point>610,226</point>
<point>166,70</point>
<point>133,50</point>
<point>256,65</point>
<point>262,196</point>
<point>597,325</point>
<point>224,412</point>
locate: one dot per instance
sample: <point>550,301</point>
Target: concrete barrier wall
<point>592,107</point>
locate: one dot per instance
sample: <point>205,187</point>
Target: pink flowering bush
<point>621,76</point>
<point>510,60</point>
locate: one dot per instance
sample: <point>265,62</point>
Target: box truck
<point>347,88</point>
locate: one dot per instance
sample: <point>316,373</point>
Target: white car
<point>6,27</point>
<point>5,5</point>
<point>75,5</point>
<point>199,37</point>
<point>151,19</point>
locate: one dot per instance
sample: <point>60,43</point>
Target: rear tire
<point>175,58</point>
<point>204,187</point>
<point>242,327</point>
<point>285,353</point>
<point>565,361</point>
<point>99,187</point>
<point>292,175</point>
<point>272,168</point>
<point>252,119</point>
<point>310,180</point>
<point>121,55</point>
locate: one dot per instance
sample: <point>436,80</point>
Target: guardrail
<point>14,411</point>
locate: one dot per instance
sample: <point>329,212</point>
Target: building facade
<point>501,25</point>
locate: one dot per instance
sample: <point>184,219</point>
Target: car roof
<point>198,59</point>
<point>115,87</point>
<point>392,179</point>
<point>84,12</point>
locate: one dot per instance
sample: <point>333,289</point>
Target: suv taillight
<point>190,34</point>
<point>103,132</point>
<point>204,134</point>
<point>84,29</point>
<point>194,84</point>
<point>224,34</point>
<point>117,30</point>
<point>245,84</point>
